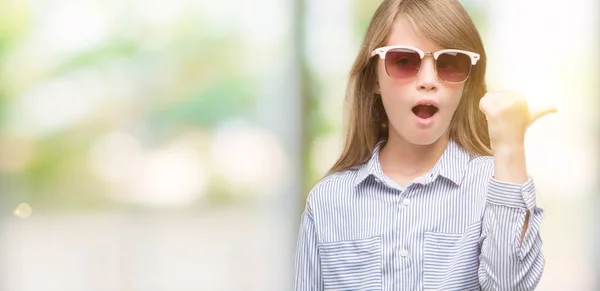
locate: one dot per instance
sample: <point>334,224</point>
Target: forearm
<point>511,249</point>
<point>510,163</point>
<point>507,263</point>
<point>510,166</point>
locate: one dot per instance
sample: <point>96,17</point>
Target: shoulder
<point>332,187</point>
<point>482,160</point>
<point>481,165</point>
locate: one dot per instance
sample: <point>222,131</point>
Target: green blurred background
<point>169,145</point>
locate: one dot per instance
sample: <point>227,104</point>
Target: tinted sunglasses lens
<point>402,63</point>
<point>453,67</point>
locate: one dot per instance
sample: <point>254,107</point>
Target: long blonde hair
<point>446,24</point>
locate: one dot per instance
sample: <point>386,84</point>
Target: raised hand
<point>509,116</point>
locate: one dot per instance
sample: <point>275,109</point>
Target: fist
<point>509,116</point>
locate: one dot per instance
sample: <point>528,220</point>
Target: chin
<point>423,140</point>
<point>422,137</point>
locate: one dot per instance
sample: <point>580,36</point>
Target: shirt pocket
<point>451,260</point>
<point>352,264</point>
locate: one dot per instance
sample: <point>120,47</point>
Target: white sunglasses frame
<point>382,51</point>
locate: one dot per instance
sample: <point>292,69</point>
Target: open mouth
<point>425,111</point>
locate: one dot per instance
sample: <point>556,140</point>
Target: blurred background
<point>169,145</point>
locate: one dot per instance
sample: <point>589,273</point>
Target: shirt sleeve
<point>505,262</point>
<point>307,264</point>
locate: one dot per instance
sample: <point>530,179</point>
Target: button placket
<point>402,209</point>
<point>403,252</point>
<point>405,201</point>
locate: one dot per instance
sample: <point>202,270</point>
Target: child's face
<point>412,123</point>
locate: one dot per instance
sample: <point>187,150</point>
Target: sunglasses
<point>403,62</point>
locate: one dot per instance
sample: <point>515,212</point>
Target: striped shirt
<point>453,228</point>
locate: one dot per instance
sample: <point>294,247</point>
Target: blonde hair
<point>446,24</point>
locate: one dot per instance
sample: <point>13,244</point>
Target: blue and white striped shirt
<point>454,228</point>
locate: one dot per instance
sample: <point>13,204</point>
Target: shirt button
<point>403,253</point>
<point>405,201</point>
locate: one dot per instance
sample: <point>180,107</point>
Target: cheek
<point>456,98</point>
<point>395,95</point>
<point>391,88</point>
<point>386,84</point>
<point>455,94</point>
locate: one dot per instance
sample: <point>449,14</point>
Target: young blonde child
<point>431,190</point>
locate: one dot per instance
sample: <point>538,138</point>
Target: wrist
<point>508,148</point>
<point>510,163</point>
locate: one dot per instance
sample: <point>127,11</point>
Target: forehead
<point>404,33</point>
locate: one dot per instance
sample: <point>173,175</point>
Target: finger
<point>538,113</point>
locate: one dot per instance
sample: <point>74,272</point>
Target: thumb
<point>542,111</point>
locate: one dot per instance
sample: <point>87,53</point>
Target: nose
<point>427,79</point>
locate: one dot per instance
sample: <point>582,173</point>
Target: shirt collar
<point>371,167</point>
<point>451,165</point>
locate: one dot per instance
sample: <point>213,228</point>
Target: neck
<point>400,158</point>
